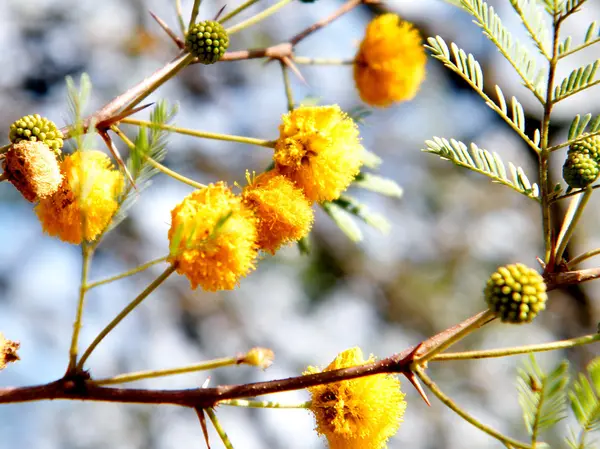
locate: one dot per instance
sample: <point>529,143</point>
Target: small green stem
<point>132,377</point>
<point>128,273</point>
<point>587,255</point>
<point>202,134</point>
<point>460,412</point>
<point>504,352</point>
<point>258,17</point>
<point>179,13</point>
<point>174,174</point>
<point>194,15</point>
<point>322,61</point>
<point>217,425</point>
<point>237,10</point>
<point>484,318</point>
<point>570,223</point>
<point>123,137</point>
<point>263,404</point>
<point>289,93</point>
<point>86,253</point>
<point>579,47</point>
<point>126,311</point>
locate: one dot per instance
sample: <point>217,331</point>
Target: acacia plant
<point>217,231</point>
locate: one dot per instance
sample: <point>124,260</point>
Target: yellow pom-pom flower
<point>390,63</point>
<point>90,189</point>
<point>359,413</point>
<point>319,149</point>
<point>213,238</point>
<point>284,214</point>
<point>33,169</point>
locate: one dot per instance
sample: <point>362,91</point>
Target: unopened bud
<point>260,357</point>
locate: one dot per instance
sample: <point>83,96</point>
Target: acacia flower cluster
<point>390,64</point>
<point>359,413</point>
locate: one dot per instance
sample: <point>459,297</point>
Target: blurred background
<point>450,230</point>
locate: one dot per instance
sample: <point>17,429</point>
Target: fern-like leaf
<point>379,184</point>
<point>585,403</point>
<point>592,36</point>
<point>484,162</point>
<point>77,98</point>
<point>533,20</point>
<point>469,69</point>
<point>511,48</point>
<point>577,81</point>
<point>542,396</point>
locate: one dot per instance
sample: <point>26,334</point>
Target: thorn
<point>220,12</point>
<point>202,419</point>
<point>541,262</point>
<point>168,30</point>
<point>413,380</point>
<point>290,64</point>
<point>115,152</point>
<point>206,382</point>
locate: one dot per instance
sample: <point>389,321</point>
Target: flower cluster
<point>390,64</point>
<point>359,413</point>
<point>582,165</point>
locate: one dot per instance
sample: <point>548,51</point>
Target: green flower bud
<point>36,129</point>
<point>207,40</point>
<point>580,169</point>
<point>516,293</point>
<point>589,146</point>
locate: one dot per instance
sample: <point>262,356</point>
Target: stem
<point>217,425</point>
<point>544,166</point>
<point>194,14</point>
<point>126,311</point>
<point>482,319</point>
<point>322,61</point>
<point>579,47</point>
<point>503,352</point>
<point>180,16</point>
<point>571,223</point>
<point>85,268</point>
<point>202,134</point>
<point>460,412</point>
<point>132,377</point>
<point>575,140</point>
<point>258,17</point>
<point>237,10</point>
<point>289,94</point>
<point>136,270</point>
<point>174,174</point>
<point>262,404</point>
<point>587,255</point>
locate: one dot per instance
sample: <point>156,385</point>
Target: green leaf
<point>77,99</point>
<point>542,396</point>
<point>585,404</point>
<point>532,18</point>
<point>577,81</point>
<point>343,220</point>
<point>584,125</point>
<point>484,162</point>
<point>359,210</point>
<point>378,184</point>
<point>470,70</point>
<point>511,48</point>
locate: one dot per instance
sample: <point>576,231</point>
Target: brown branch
<point>556,280</point>
<point>345,8</point>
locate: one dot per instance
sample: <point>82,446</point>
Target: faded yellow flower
<point>390,63</point>
<point>8,351</point>
<point>90,189</point>
<point>33,169</point>
<point>284,214</point>
<point>319,150</point>
<point>359,413</point>
<point>213,238</point>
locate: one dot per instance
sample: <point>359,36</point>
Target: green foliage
<point>585,403</point>
<point>533,20</point>
<point>511,48</point>
<point>542,396</point>
<point>378,184</point>
<point>77,98</point>
<point>484,162</point>
<point>584,125</point>
<point>577,81</point>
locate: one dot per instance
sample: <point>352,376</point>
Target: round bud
<point>207,41</point>
<point>516,293</point>
<point>589,146</point>
<point>580,169</point>
<point>36,129</point>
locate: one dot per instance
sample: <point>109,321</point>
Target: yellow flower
<point>8,351</point>
<point>319,149</point>
<point>213,238</point>
<point>33,169</point>
<point>359,413</point>
<point>390,63</point>
<point>90,189</point>
<point>284,214</point>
